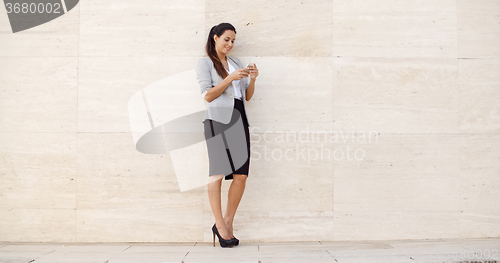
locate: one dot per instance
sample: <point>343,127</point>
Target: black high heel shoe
<point>222,242</point>
<point>235,241</point>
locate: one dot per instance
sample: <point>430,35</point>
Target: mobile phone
<point>250,66</point>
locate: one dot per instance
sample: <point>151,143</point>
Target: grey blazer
<point>221,108</point>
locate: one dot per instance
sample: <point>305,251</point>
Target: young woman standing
<point>224,84</point>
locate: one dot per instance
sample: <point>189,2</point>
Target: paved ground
<point>436,250</point>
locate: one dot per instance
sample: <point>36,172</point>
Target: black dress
<point>229,144</point>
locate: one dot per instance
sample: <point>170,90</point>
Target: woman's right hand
<point>239,74</point>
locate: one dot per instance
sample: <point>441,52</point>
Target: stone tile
<point>282,167</point>
<point>373,190</point>
<point>294,252</point>
<point>372,224</point>
<point>38,170</point>
<point>275,29</point>
<point>291,93</point>
<point>436,250</point>
<point>396,95</point>
<point>479,101</point>
<point>486,246</point>
<point>479,181</point>
<point>224,255</point>
<point>141,196</point>
<point>103,252</point>
<point>38,94</point>
<point>111,180</point>
<point>100,107</point>
<point>26,250</point>
<point>151,223</point>
<point>155,29</point>
<point>397,173</point>
<point>395,29</point>
<point>56,38</point>
<point>478,29</point>
<point>37,225</point>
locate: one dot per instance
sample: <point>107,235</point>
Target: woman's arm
<point>250,90</point>
<point>216,91</point>
<point>205,80</point>
<point>254,72</point>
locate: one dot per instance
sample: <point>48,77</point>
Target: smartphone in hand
<point>250,66</point>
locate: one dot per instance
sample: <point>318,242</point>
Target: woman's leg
<point>233,200</point>
<point>214,192</point>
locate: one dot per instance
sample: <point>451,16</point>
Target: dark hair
<point>210,48</point>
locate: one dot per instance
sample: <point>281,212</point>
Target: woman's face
<point>225,42</point>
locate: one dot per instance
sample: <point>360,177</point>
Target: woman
<point>225,88</point>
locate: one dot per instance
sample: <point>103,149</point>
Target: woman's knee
<point>215,181</point>
<point>240,177</point>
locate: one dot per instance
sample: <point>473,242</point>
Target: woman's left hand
<point>254,73</point>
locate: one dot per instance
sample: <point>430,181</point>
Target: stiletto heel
<point>235,241</point>
<point>222,242</point>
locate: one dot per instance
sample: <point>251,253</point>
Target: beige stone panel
<point>112,174</point>
<point>290,172</point>
<point>163,256</point>
<point>37,225</point>
<point>373,224</point>
<point>24,252</point>
<point>275,28</point>
<point>479,99</point>
<point>417,250</point>
<point>174,252</point>
<point>441,244</point>
<point>150,223</point>
<point>56,38</point>
<point>206,252</point>
<point>288,195</point>
<point>482,243</point>
<point>310,251</point>
<point>38,170</point>
<point>479,185</point>
<point>276,225</point>
<point>120,200</point>
<point>90,252</point>
<point>156,252</point>
<point>478,28</point>
<point>107,84</point>
<point>397,172</point>
<point>38,94</point>
<point>291,94</point>
<point>142,28</point>
<point>95,252</point>
<point>293,175</point>
<point>395,28</point>
<point>396,95</point>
